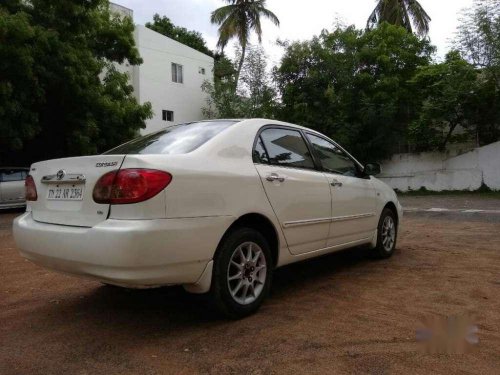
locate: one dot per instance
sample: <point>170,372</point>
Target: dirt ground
<point>338,314</point>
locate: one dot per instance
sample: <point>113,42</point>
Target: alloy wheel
<point>388,233</point>
<point>246,273</point>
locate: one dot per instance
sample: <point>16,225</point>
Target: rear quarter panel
<point>218,179</point>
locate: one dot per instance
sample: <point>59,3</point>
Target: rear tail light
<point>130,185</point>
<point>30,189</point>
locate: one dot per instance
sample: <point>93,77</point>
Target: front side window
<point>177,139</point>
<point>332,158</point>
<point>177,75</point>
<point>287,148</point>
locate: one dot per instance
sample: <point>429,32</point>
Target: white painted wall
<point>153,83</point>
<point>152,80</point>
<point>439,171</point>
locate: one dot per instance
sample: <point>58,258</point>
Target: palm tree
<point>237,20</point>
<point>401,13</point>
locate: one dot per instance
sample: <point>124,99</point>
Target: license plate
<point>65,193</point>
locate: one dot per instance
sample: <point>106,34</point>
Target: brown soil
<point>338,314</point>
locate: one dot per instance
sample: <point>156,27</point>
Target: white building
<point>170,77</point>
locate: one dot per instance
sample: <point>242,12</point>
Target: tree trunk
<point>445,142</point>
<point>240,65</point>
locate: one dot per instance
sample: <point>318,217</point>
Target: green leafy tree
<point>237,20</point>
<point>400,13</point>
<point>255,97</point>
<point>223,67</point>
<point>478,40</point>
<point>256,86</point>
<point>354,86</point>
<point>448,92</point>
<point>221,100</point>
<point>60,93</point>
<point>193,39</point>
<point>478,37</point>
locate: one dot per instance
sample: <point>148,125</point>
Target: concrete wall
<point>153,83</point>
<point>438,171</point>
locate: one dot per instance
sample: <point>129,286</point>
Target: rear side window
<point>259,153</point>
<point>13,175</point>
<point>178,139</point>
<point>287,148</point>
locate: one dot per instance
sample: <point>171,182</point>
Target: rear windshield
<point>177,139</point>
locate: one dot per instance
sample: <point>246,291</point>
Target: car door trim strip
<point>295,223</point>
<point>352,217</point>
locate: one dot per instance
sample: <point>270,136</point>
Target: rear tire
<point>242,273</point>
<point>387,234</point>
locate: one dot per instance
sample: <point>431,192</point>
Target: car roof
<point>264,121</point>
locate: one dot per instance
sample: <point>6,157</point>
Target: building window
<point>177,73</point>
<point>167,115</point>
<point>201,71</point>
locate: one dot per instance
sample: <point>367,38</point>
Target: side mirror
<point>372,169</point>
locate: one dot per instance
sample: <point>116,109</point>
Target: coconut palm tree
<point>237,20</point>
<point>402,13</point>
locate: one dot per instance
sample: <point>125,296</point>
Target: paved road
<point>454,207</point>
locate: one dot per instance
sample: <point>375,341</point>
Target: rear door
<point>65,186</point>
<point>12,185</point>
<point>298,193</point>
<point>353,195</point>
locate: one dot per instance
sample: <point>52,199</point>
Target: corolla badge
<point>106,164</point>
<point>60,174</point>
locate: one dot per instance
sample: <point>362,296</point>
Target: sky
<point>299,20</point>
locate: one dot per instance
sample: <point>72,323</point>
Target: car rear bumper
<point>10,205</point>
<point>133,253</point>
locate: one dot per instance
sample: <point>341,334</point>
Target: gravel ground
<point>337,314</point>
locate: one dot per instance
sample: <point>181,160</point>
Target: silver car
<point>12,187</point>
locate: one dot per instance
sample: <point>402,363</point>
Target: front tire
<point>242,273</point>
<point>387,233</point>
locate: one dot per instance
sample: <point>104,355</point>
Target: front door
<point>299,194</point>
<point>353,195</point>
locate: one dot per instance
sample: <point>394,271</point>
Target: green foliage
<point>255,96</point>
<point>193,39</point>
<point>353,86</point>
<point>221,101</point>
<point>478,37</point>
<point>59,93</point>
<point>256,86</point>
<point>478,40</point>
<point>223,67</point>
<point>237,20</point>
<point>400,13</point>
<point>448,94</point>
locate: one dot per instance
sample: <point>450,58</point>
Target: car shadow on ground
<point>164,308</point>
<point>12,210</point>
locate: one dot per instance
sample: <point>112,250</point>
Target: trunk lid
<point>64,188</point>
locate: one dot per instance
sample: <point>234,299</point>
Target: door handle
<point>275,177</point>
<point>336,183</point>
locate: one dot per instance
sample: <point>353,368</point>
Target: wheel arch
<point>390,205</point>
<point>262,224</point>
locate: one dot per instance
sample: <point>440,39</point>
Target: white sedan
<point>214,206</point>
